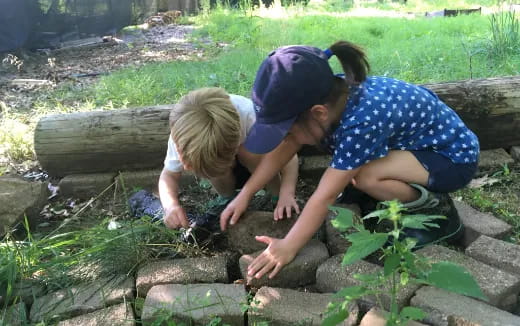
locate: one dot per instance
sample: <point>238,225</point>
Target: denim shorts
<point>444,175</point>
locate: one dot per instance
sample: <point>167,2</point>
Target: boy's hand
<point>285,205</point>
<point>233,211</point>
<point>277,255</point>
<point>175,217</point>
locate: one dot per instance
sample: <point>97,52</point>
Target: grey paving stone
<point>497,285</point>
<point>440,304</point>
<point>500,254</point>
<point>19,198</point>
<point>494,158</point>
<point>83,299</point>
<point>314,166</point>
<point>118,315</point>
<point>477,223</point>
<point>515,153</point>
<point>25,291</point>
<point>242,235</point>
<point>376,317</point>
<point>195,304</point>
<point>15,315</point>
<point>182,271</point>
<point>85,185</point>
<point>331,276</point>
<point>280,307</point>
<point>148,179</point>
<point>335,240</point>
<point>301,271</point>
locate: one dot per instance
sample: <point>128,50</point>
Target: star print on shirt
<point>414,119</point>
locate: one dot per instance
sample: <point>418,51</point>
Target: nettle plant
<point>401,265</point>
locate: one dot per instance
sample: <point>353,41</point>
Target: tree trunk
<point>132,139</point>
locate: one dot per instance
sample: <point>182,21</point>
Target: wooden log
<point>133,139</point>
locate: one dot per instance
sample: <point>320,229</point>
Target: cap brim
<point>263,138</point>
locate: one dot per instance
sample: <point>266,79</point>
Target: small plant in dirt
<point>401,265</point>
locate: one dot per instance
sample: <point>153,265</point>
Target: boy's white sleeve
<point>172,161</point>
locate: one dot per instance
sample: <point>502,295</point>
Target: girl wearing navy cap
<point>389,139</point>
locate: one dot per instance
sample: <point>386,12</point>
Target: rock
<point>82,299</point>
<point>280,307</point>
<point>149,180</point>
<point>500,254</point>
<point>118,315</point>
<point>195,304</point>
<point>18,198</point>
<point>336,242</point>
<point>301,271</point>
<point>182,271</point>
<point>494,158</point>
<point>15,315</point>
<point>242,235</point>
<point>440,304</point>
<point>497,285</point>
<point>314,166</point>
<point>515,153</point>
<point>376,317</point>
<point>85,186</point>
<point>477,223</point>
<point>25,291</point>
<point>331,276</point>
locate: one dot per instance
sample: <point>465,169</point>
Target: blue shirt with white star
<point>385,114</point>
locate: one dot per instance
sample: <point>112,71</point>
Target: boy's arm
<point>282,251</point>
<point>174,214</point>
<point>269,166</point>
<point>287,201</point>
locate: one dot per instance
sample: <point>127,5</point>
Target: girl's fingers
<point>275,271</point>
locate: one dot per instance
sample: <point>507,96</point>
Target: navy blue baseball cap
<point>290,81</point>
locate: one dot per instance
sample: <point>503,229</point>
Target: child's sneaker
<point>429,203</point>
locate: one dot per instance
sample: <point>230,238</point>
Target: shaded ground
<point>83,64</point>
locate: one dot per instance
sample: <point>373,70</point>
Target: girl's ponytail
<point>352,59</point>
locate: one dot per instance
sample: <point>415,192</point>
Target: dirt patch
<point>82,63</point>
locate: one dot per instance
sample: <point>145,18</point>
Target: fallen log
<point>133,139</point>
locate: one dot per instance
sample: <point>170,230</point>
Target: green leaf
<point>381,213</point>
<point>391,263</point>
<point>351,293</point>
<point>335,318</point>
<point>404,278</point>
<point>412,313</point>
<point>344,219</point>
<point>420,221</point>
<point>454,278</point>
<point>363,244</point>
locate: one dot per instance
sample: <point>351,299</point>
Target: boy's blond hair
<point>205,127</point>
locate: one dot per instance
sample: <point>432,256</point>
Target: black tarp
<point>47,23</point>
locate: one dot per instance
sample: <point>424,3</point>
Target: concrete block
<point>85,186</point>
<point>494,158</point>
<point>118,315</point>
<point>242,235</point>
<point>280,307</point>
<point>497,285</point>
<point>195,304</point>
<point>331,276</point>
<point>301,271</point>
<point>313,166</point>
<point>182,271</point>
<point>83,299</point>
<point>440,305</point>
<point>376,317</point>
<point>149,180</point>
<point>500,254</point>
<point>515,153</point>
<point>477,223</point>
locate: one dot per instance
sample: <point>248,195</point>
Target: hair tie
<point>328,53</point>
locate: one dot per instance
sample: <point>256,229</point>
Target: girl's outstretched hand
<point>284,207</point>
<point>233,211</point>
<point>277,255</point>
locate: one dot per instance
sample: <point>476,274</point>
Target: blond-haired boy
<point>208,129</point>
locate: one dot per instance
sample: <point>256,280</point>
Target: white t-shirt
<point>246,112</point>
